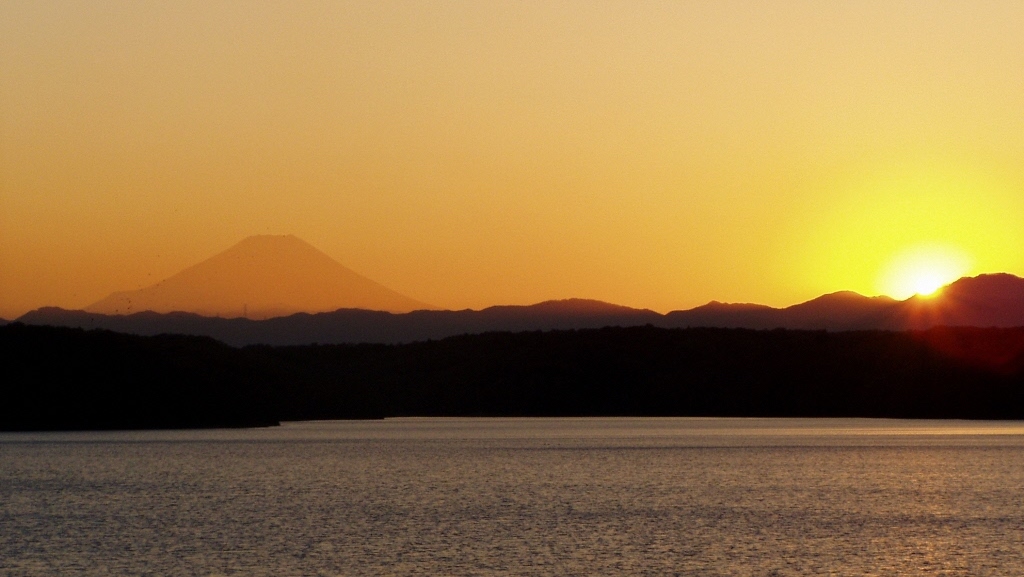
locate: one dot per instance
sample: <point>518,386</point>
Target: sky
<point>651,154</point>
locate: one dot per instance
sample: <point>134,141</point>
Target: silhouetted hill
<point>724,315</point>
<point>355,325</point>
<point>66,379</point>
<point>837,312</point>
<point>991,300</point>
<point>260,277</point>
<point>985,301</point>
<point>995,300</point>
<point>59,378</point>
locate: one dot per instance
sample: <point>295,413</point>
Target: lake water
<point>758,497</point>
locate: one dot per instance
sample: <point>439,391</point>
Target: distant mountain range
<point>518,360</point>
<point>990,300</point>
<point>994,300</point>
<point>260,277</point>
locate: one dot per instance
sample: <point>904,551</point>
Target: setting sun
<point>923,270</point>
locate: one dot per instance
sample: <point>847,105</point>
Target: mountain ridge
<point>995,300</point>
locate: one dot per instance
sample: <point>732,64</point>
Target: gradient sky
<point>652,154</point>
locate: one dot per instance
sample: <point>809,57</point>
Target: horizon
<point>932,293</point>
<point>659,156</point>
<point>266,260</point>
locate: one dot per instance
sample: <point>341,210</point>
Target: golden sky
<point>651,154</point>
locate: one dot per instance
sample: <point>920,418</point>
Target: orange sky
<point>653,154</point>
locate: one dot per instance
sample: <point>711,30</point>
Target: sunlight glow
<point>923,270</point>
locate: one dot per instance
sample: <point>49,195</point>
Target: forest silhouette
<point>63,379</point>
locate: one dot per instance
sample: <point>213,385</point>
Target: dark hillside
<point>60,378</point>
<point>651,371</point>
<point>63,379</point>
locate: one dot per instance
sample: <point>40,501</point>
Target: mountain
<point>839,311</point>
<point>260,277</point>
<point>989,300</point>
<point>995,300</point>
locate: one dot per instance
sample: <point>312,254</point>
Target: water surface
<point>519,497</point>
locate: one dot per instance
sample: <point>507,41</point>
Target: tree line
<point>64,379</point>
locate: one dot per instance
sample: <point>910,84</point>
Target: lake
<point>624,496</point>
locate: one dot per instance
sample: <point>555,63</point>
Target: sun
<point>922,270</point>
<point>929,282</point>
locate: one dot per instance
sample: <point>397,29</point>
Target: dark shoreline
<point>73,379</point>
